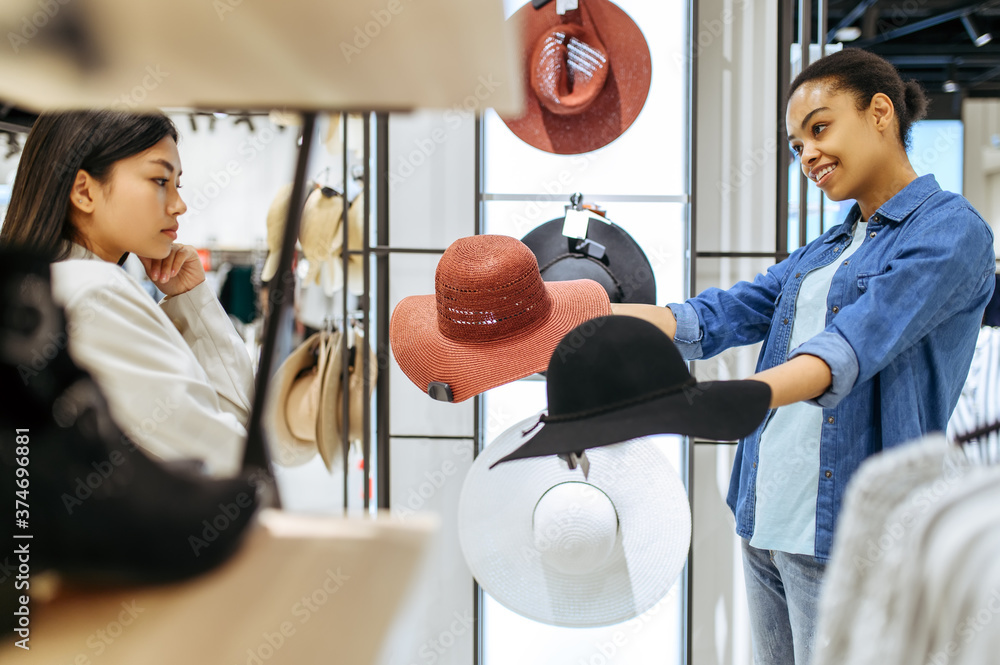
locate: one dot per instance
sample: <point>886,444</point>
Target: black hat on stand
<point>606,254</point>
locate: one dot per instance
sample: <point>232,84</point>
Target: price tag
<point>575,223</point>
<point>563,6</point>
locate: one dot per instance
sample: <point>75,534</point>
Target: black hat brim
<point>718,410</point>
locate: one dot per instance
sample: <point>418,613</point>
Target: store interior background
<point>231,172</point>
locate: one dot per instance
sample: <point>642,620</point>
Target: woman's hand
<point>178,273</point>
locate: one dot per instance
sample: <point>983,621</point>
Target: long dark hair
<point>58,146</point>
<point>866,74</point>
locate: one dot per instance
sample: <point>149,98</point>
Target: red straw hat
<point>588,74</point>
<point>492,321</point>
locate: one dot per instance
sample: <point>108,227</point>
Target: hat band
<point>615,406</point>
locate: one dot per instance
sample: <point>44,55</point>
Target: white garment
<point>913,575</point>
<point>865,536</point>
<point>979,403</point>
<point>177,377</point>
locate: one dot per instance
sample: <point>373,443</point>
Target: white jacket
<point>177,377</point>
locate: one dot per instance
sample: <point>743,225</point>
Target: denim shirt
<point>901,324</point>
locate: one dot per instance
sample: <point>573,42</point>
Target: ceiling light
<point>848,34</point>
<point>978,38</point>
<point>950,86</point>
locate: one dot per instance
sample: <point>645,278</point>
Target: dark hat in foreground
<point>587,75</point>
<point>608,255</point>
<point>616,378</point>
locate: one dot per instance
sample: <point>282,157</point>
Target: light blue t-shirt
<point>788,464</point>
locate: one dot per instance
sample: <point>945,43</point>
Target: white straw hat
<point>566,550</point>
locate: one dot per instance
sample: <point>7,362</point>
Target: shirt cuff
<point>687,337</point>
<point>835,351</point>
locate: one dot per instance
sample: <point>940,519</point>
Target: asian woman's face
<point>136,210</point>
<point>838,147</point>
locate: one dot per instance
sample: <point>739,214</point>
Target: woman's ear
<point>81,196</point>
<point>882,111</point>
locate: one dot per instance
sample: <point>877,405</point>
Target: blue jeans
<point>783,594</point>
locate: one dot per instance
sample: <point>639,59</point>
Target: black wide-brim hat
<point>621,267</point>
<point>616,378</point>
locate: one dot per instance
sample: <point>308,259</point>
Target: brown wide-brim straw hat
<point>306,388</point>
<point>492,319</point>
<point>587,76</point>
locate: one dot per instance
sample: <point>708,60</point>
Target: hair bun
<point>916,101</point>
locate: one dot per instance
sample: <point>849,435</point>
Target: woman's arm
<point>801,378</point>
<point>661,317</point>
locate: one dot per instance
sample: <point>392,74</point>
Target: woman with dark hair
<point>92,187</point>
<point>868,333</point>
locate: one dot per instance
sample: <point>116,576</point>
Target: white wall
<point>737,156</point>
<point>982,160</point>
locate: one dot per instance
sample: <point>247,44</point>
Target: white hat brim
<point>495,532</point>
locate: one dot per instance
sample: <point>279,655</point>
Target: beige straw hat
<point>276,214</point>
<point>321,237</point>
<point>331,416</point>
<point>306,389</point>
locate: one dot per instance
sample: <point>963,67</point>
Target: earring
<point>81,200</point>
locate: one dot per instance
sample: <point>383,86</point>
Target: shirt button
<point>829,474</point>
<point>830,420</point>
<point>872,234</point>
<point>755,465</point>
<point>785,321</point>
<point>797,275</point>
<point>835,309</point>
<point>846,262</point>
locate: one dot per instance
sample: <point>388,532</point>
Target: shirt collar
<point>909,199</point>
<point>80,252</point>
<point>895,209</point>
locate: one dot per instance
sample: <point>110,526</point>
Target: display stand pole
<point>279,295</point>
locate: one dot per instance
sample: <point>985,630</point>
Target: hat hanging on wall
<point>355,241</point>
<point>586,245</point>
<point>620,377</point>
<point>306,390</point>
<point>566,550</point>
<point>587,75</point>
<point>491,321</point>
<point>321,237</point>
<point>277,212</point>
<point>330,425</point>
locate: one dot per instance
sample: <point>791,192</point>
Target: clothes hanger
<point>979,447</point>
